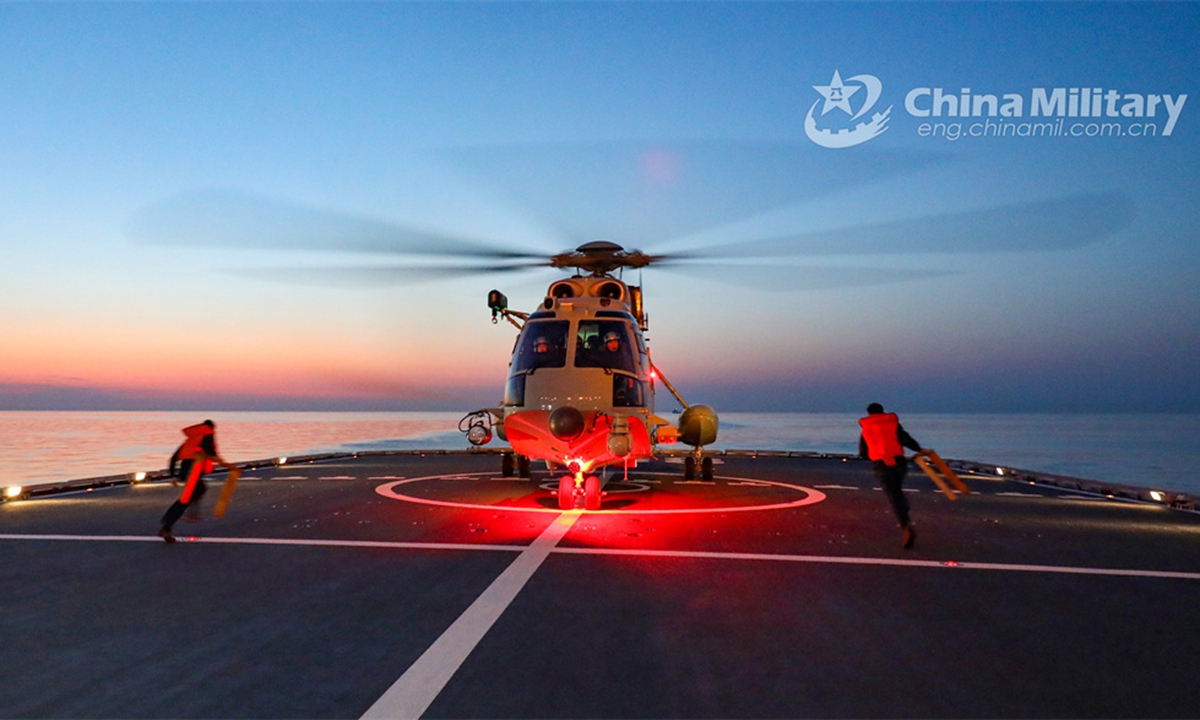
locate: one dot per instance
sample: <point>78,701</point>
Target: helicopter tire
<point>689,468</point>
<point>523,466</point>
<point>506,464</point>
<point>566,493</point>
<point>591,493</point>
<point>706,468</point>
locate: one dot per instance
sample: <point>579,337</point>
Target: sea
<point>1160,451</point>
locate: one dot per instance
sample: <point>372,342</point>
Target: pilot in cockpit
<point>612,342</point>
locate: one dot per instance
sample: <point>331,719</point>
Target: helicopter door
<point>628,391</point>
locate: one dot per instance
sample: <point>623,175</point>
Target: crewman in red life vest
<point>195,458</point>
<point>883,440</point>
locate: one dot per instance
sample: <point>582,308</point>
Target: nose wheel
<point>566,493</point>
<point>574,491</point>
<point>591,493</point>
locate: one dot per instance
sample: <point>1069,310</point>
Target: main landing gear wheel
<point>507,464</point>
<point>523,466</point>
<point>591,493</point>
<point>566,493</point>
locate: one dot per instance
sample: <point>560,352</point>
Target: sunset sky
<point>957,260</point>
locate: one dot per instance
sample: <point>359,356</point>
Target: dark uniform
<point>195,458</point>
<point>883,440</point>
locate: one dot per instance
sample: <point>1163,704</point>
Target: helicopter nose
<point>566,423</point>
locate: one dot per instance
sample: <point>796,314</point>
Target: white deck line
<point>417,688</point>
<point>183,539</point>
<point>689,554</point>
<point>839,560</point>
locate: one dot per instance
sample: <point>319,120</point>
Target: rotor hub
<point>600,257</point>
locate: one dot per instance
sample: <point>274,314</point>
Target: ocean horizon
<point>1154,450</point>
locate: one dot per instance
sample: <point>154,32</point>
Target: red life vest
<point>195,435</point>
<point>188,451</point>
<point>880,433</point>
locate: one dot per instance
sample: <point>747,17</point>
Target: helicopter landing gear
<point>591,493</point>
<point>585,491</point>
<point>566,493</point>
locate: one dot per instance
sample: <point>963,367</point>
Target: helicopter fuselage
<point>580,389</point>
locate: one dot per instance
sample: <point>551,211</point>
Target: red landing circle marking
<point>390,490</point>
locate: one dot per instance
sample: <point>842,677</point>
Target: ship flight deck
<point>428,585</point>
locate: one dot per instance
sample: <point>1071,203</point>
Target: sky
<point>943,207</point>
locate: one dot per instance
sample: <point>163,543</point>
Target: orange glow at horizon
<point>263,364</point>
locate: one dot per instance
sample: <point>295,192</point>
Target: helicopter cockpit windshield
<point>543,345</point>
<point>604,344</point>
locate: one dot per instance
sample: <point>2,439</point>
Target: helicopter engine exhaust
<point>566,423</point>
<point>698,425</point>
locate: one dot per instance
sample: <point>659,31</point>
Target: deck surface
<point>401,586</point>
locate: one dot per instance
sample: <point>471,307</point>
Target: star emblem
<point>836,94</point>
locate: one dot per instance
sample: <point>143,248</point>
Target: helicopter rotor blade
<point>626,191</point>
<point>222,218</point>
<point>791,278</point>
<point>379,275</point>
<point>231,219</point>
<point>1058,224</point>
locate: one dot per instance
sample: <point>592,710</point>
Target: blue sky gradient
<point>537,126</point>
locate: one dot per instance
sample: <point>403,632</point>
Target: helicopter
<point>580,388</point>
<point>568,400</point>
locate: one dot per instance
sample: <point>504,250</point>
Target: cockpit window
<point>543,344</point>
<point>604,343</point>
